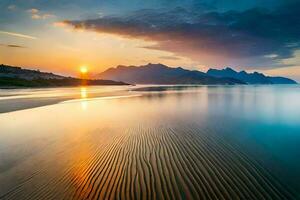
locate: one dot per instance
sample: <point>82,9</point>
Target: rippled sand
<point>107,150</point>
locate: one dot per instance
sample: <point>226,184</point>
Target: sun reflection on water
<point>83,93</point>
<point>83,96</point>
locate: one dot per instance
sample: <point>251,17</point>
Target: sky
<point>62,35</point>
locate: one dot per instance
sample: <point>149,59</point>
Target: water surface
<point>209,142</point>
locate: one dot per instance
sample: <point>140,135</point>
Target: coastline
<point>27,98</point>
<point>41,97</point>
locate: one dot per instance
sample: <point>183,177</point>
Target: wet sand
<point>26,103</point>
<point>14,102</point>
<point>156,162</point>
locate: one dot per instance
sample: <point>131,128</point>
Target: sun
<point>83,69</point>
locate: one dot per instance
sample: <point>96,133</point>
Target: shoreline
<point>38,97</point>
<point>22,101</point>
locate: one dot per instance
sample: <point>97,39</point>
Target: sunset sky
<point>62,35</point>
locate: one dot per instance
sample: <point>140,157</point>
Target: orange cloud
<point>33,11</point>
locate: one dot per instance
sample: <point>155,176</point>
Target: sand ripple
<point>154,162</point>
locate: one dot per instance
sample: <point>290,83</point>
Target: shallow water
<point>209,142</point>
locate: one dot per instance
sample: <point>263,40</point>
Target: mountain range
<point>11,76</point>
<point>162,74</point>
<point>249,78</point>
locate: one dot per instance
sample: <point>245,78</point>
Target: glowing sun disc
<point>83,69</point>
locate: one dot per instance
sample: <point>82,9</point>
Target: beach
<point>167,143</point>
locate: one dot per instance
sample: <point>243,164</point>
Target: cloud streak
<point>18,35</point>
<point>12,7</point>
<point>252,37</point>
<point>12,46</point>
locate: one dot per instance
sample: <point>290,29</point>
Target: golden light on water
<point>84,105</point>
<point>83,96</point>
<point>83,93</point>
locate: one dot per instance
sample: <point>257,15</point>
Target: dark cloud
<point>12,46</point>
<point>249,37</point>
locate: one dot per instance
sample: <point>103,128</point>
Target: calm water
<point>161,142</point>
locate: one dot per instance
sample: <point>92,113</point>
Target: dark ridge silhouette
<point>249,78</point>
<point>18,77</point>
<point>162,74</point>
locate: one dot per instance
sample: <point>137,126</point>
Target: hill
<point>162,74</point>
<point>249,78</point>
<point>11,76</point>
<point>28,74</point>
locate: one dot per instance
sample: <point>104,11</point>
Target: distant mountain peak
<point>243,72</point>
<point>156,65</point>
<point>229,69</point>
<point>249,78</point>
<point>120,66</point>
